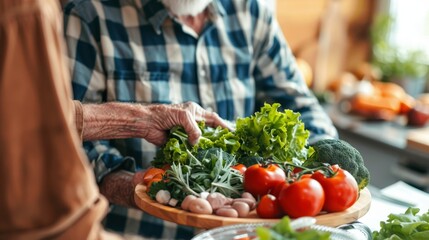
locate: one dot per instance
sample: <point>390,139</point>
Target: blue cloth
<point>135,51</point>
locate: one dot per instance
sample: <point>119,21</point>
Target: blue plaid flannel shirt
<point>135,51</point>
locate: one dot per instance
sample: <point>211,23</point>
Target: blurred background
<point>367,61</point>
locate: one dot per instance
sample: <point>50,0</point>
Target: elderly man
<point>229,56</point>
<point>48,187</point>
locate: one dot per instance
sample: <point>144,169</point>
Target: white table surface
<point>380,209</point>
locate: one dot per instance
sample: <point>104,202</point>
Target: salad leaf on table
<point>283,230</point>
<point>404,226</point>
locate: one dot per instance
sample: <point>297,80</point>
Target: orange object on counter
<point>389,89</point>
<point>363,102</point>
<point>386,102</point>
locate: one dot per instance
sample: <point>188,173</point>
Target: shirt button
<point>202,73</point>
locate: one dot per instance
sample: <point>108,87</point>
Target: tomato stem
<point>324,167</point>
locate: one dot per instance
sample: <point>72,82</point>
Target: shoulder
<point>85,9</point>
<point>254,7</point>
<point>88,10</point>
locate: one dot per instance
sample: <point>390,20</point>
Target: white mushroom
<point>172,202</point>
<point>204,195</point>
<point>163,196</point>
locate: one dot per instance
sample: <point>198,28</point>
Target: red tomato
<point>278,188</point>
<point>306,175</point>
<point>341,190</point>
<point>297,170</point>
<point>240,167</point>
<point>305,197</point>
<point>269,207</point>
<point>259,180</point>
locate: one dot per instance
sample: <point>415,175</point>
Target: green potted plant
<point>405,67</point>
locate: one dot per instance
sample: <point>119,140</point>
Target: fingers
<point>212,119</point>
<point>186,115</point>
<point>191,128</point>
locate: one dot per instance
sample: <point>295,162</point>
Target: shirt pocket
<point>144,87</point>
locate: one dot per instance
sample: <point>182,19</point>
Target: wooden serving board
<point>205,221</point>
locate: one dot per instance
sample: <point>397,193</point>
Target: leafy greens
<point>404,226</point>
<point>268,134</point>
<point>284,231</point>
<point>273,134</point>
<point>177,148</point>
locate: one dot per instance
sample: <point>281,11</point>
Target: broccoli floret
<point>336,151</point>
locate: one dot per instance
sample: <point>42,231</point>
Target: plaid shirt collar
<point>156,13</point>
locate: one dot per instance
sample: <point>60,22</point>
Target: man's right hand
<point>114,120</point>
<point>161,118</point>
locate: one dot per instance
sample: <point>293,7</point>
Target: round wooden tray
<point>205,221</point>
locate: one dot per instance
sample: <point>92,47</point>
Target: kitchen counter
<point>381,208</point>
<point>419,140</point>
<point>385,149</point>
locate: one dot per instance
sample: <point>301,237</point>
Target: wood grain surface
<point>205,221</point>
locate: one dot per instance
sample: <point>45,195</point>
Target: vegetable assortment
<point>265,163</point>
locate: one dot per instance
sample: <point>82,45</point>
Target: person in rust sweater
<point>48,188</point>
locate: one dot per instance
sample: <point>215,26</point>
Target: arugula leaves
<point>209,171</point>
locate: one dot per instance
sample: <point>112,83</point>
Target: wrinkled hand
<point>162,118</point>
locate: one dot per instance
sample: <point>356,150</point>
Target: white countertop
<point>380,209</point>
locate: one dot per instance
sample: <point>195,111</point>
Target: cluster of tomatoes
<point>299,193</point>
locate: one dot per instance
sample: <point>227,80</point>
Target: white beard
<point>186,7</point>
